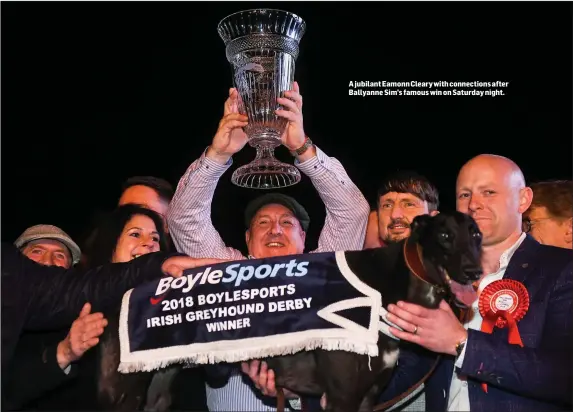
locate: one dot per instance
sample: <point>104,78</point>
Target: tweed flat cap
<point>281,199</point>
<point>49,232</point>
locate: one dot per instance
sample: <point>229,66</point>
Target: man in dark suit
<point>481,370</point>
<point>38,297</point>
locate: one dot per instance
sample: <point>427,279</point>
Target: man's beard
<point>396,238</point>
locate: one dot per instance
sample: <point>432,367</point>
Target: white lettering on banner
<point>291,304</point>
<point>223,317</point>
<point>226,297</point>
<point>224,312</point>
<point>165,320</point>
<point>229,325</point>
<point>246,294</point>
<point>237,273</point>
<point>174,304</point>
<point>220,311</point>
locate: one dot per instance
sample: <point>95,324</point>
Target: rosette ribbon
<point>502,304</point>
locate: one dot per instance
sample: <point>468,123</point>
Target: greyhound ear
<point>418,225</point>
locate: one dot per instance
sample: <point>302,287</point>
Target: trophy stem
<point>265,153</point>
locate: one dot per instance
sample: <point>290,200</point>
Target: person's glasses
<point>527,224</point>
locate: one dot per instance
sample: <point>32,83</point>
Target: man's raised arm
<point>346,208</point>
<point>189,215</point>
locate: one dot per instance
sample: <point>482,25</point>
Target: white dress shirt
<point>459,400</point>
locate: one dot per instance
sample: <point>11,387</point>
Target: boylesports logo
<point>237,273</point>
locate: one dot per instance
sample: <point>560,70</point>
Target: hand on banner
<point>230,137</point>
<point>175,265</point>
<point>264,379</point>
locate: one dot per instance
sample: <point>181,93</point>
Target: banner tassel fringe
<point>245,355</point>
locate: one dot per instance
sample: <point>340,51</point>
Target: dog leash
<point>414,261</point>
<point>281,401</point>
<point>385,405</point>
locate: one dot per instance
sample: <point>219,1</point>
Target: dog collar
<point>413,258</point>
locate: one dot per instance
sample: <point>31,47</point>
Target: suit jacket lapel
<point>523,261</point>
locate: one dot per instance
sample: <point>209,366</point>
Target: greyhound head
<point>450,247</point>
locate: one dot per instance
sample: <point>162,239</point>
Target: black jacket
<point>37,297</point>
<point>34,370</point>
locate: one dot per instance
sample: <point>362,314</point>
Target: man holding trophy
<point>265,110</point>
<point>230,138</point>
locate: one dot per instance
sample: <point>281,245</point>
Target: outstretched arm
<point>54,296</point>
<point>346,208</point>
<point>189,215</point>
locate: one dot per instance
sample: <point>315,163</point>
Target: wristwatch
<point>303,148</point>
<point>460,347</point>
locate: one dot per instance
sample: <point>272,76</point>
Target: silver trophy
<point>262,47</point>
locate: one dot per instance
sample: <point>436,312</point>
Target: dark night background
<point>95,92</point>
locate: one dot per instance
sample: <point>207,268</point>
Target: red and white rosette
<point>503,303</point>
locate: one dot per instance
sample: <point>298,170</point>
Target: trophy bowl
<point>262,46</point>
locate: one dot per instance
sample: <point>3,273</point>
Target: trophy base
<point>266,174</point>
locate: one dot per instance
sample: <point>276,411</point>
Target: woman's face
<point>139,237</point>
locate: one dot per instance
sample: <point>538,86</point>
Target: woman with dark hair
<point>127,233</point>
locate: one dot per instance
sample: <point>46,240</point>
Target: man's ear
<point>247,236</point>
<point>569,231</point>
<point>525,199</point>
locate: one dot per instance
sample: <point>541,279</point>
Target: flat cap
<point>49,232</point>
<point>299,212</point>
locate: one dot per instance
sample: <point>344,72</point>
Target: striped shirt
<point>193,233</point>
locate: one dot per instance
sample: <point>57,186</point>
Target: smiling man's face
<point>275,231</point>
<point>395,214</point>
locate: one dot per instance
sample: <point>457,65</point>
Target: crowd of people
<point>52,313</point>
